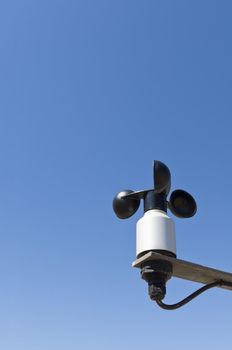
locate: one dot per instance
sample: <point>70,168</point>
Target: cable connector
<point>156,274</point>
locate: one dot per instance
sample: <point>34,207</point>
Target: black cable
<point>190,297</point>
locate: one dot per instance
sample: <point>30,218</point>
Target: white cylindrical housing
<point>155,231</point>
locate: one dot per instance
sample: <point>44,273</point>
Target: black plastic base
<point>153,200</point>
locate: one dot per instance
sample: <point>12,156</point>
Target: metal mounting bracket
<point>189,271</point>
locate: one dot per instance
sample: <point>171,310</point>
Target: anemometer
<point>156,238</point>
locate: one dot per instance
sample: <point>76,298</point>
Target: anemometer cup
<point>124,207</point>
<point>161,177</point>
<point>182,204</point>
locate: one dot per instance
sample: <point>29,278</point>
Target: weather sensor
<point>156,239</point>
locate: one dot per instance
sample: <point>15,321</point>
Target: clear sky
<point>91,92</point>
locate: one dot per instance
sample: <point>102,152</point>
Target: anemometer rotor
<point>181,203</point>
<point>156,238</point>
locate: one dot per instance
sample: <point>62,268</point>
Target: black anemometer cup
<point>182,204</point>
<point>124,207</point>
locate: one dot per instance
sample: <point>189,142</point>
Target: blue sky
<point>92,92</point>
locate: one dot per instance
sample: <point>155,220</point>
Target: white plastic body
<point>155,231</point>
